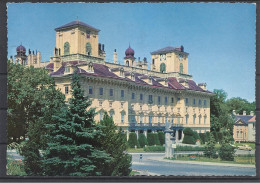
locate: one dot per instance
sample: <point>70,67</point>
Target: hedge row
<point>154,148</point>
<point>152,139</point>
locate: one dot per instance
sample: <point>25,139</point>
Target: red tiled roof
<point>101,70</point>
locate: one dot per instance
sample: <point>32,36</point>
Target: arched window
<point>66,48</point>
<point>127,63</point>
<point>181,68</point>
<point>162,68</point>
<point>88,49</point>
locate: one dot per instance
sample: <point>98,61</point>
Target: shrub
<point>188,131</point>
<point>210,150</point>
<point>132,141</point>
<point>188,140</point>
<point>226,152</point>
<point>156,139</point>
<point>202,138</point>
<point>190,137</point>
<point>154,148</point>
<point>142,140</point>
<point>189,148</point>
<point>195,136</point>
<point>161,137</point>
<point>207,137</point>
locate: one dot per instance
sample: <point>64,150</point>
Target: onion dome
<point>129,52</point>
<point>20,48</point>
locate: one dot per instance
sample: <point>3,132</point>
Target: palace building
<point>139,99</point>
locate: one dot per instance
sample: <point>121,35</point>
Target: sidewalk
<point>200,162</point>
<point>146,173</point>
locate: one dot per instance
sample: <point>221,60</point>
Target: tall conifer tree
<point>73,148</point>
<point>115,144</point>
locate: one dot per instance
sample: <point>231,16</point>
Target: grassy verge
<point>133,150</point>
<point>237,159</point>
<point>133,173</point>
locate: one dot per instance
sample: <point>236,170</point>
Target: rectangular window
<point>133,96</point>
<point>178,100</point>
<point>187,101</point>
<point>111,113</point>
<point>150,119</point>
<point>187,119</point>
<point>90,90</point>
<point>194,119</point>
<point>141,118</point>
<point>141,96</point>
<point>205,119</point>
<point>100,91</point>
<point>132,119</point>
<point>172,100</point>
<point>88,34</point>
<point>199,119</point>
<point>159,119</point>
<point>66,89</point>
<point>150,99</point>
<point>166,100</point>
<point>122,117</point>
<point>111,93</point>
<point>101,115</point>
<point>67,69</point>
<point>199,102</point>
<point>159,100</point>
<point>122,93</point>
<point>205,102</point>
<point>194,101</point>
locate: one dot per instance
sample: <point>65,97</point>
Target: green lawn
<point>133,150</point>
<point>238,159</point>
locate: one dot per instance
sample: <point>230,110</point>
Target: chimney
<point>29,51</point>
<point>99,46</point>
<point>234,112</point>
<point>115,57</point>
<point>103,47</point>
<point>251,113</point>
<point>244,113</point>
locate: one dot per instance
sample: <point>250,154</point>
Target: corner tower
<point>77,38</point>
<point>170,59</point>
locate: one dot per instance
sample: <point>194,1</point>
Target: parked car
<point>244,147</point>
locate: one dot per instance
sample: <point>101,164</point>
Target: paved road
<point>150,166</point>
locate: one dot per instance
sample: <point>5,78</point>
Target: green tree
<point>142,140</point>
<point>32,99</point>
<point>114,143</point>
<point>28,92</point>
<point>221,119</point>
<point>132,141</point>
<point>239,105</point>
<point>210,150</point>
<point>73,146</point>
<point>226,151</point>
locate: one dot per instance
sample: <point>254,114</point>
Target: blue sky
<point>219,37</point>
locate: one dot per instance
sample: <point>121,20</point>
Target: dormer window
<point>180,57</point>
<point>88,34</point>
<point>67,69</point>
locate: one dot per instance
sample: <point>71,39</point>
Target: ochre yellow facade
<point>139,99</point>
